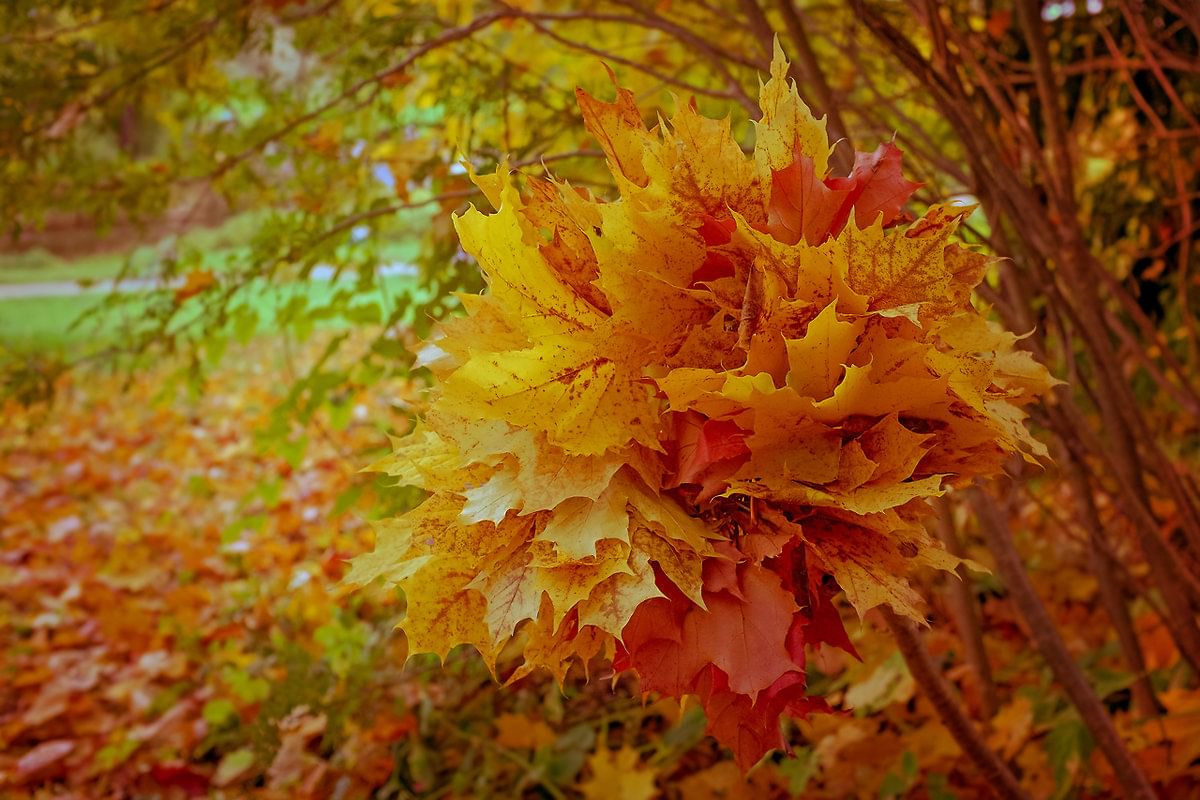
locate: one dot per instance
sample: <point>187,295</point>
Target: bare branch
<point>949,708</point>
<point>1050,644</point>
<point>447,37</point>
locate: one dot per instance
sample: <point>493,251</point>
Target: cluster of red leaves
<point>728,654</point>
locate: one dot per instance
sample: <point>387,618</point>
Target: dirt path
<point>16,291</point>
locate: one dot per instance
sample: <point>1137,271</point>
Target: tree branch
<point>535,20</point>
<point>447,37</point>
<point>949,708</point>
<point>1054,650</point>
<point>965,609</point>
<point>1144,701</point>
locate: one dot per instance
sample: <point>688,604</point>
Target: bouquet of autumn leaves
<point>676,423</point>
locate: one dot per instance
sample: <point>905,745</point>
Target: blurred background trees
<point>287,168</point>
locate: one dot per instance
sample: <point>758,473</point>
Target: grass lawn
<point>219,246</point>
<point>54,322</point>
<point>46,321</point>
<point>32,323</point>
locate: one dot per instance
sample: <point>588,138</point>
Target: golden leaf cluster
<point>673,416</point>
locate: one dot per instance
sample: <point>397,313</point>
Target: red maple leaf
<point>750,728</point>
<point>803,206</point>
<point>715,232</point>
<point>743,655</point>
<point>705,452</point>
<point>875,186</point>
<point>804,579</point>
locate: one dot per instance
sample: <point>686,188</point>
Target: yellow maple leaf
<point>568,583</point>
<point>787,124</point>
<point>585,399</point>
<point>816,361</point>
<point>618,774</point>
<point>518,732</point>
<point>610,605</point>
<point>620,131</point>
<point>519,278</point>
<point>679,563</point>
<point>579,523</point>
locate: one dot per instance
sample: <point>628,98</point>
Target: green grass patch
<point>91,320</point>
<point>40,266</point>
<point>217,250</point>
<point>36,323</point>
<point>219,247</point>
<point>46,322</point>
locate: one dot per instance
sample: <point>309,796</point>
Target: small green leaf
<point>219,712</point>
<point>234,767</point>
<point>800,769</point>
